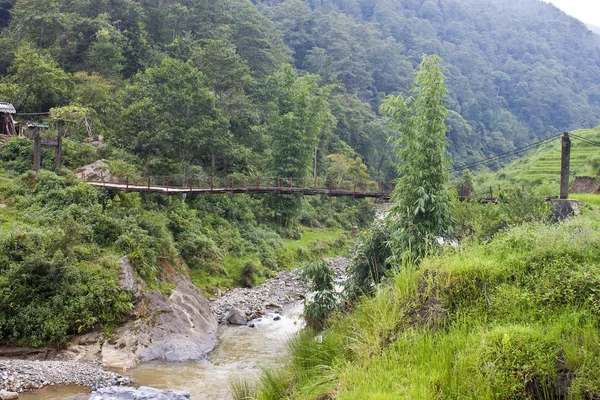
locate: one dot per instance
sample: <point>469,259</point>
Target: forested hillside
<point>517,70</point>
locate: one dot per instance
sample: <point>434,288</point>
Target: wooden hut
<point>6,120</point>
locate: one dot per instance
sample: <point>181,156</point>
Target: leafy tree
<point>421,213</point>
<point>106,53</point>
<point>35,81</point>
<point>299,113</point>
<point>171,113</point>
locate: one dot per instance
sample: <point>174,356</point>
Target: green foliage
<point>421,211</point>
<point>299,114</point>
<point>249,272</point>
<point>36,82</point>
<point>50,288</point>
<point>481,221</point>
<point>170,112</point>
<point>325,300</point>
<point>513,318</point>
<point>371,262</point>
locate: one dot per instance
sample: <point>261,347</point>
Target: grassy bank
<point>514,318</point>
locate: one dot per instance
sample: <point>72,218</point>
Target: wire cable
<point>504,155</point>
<point>588,141</point>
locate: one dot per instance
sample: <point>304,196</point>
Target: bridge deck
<point>248,189</point>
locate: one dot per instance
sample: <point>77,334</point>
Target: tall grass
<point>513,318</point>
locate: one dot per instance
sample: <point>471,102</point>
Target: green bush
<point>249,274</point>
<point>325,299</point>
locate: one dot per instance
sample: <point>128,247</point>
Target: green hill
<point>539,170</point>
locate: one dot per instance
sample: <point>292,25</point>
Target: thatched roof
<point>7,108</point>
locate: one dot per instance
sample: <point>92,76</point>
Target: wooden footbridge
<point>254,185</point>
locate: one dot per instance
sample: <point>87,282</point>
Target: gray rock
<point>180,327</point>
<point>237,317</point>
<point>6,395</point>
<point>143,393</point>
<point>128,279</point>
<point>565,208</point>
<point>97,171</point>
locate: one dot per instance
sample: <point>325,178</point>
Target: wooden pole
<point>211,183</point>
<point>291,182</point>
<point>565,166</point>
<point>37,153</point>
<point>491,193</point>
<point>148,184</point>
<point>58,155</point>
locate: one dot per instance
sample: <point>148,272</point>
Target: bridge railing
<point>237,183</point>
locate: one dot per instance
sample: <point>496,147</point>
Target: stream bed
<point>240,353</point>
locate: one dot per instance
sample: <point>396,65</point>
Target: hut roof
<point>7,108</point>
<point>44,125</point>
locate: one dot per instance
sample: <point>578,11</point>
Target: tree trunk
<point>212,164</point>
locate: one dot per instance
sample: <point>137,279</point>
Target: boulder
<point>143,393</point>
<point>564,209</point>
<point>96,172</point>
<point>174,328</point>
<point>237,317</point>
<point>6,395</point>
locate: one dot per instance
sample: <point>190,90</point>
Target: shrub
<point>248,274</point>
<point>325,299</point>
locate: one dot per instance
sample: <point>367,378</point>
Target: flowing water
<point>239,355</point>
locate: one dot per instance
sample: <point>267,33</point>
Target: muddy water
<point>239,355</point>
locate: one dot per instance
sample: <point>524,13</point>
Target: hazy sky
<point>586,10</point>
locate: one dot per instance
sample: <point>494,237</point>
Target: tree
<point>35,81</point>
<point>300,112</point>
<point>421,212</point>
<point>171,113</point>
<point>106,53</point>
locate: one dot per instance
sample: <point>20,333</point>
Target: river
<point>240,353</point>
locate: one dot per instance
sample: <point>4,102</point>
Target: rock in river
<point>237,317</point>
<point>143,393</point>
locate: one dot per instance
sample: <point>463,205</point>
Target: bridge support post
<point>37,153</point>
<point>565,166</point>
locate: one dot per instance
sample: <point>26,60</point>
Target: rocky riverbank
<point>285,288</point>
<point>20,376</point>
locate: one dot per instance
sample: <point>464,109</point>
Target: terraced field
<point>540,170</point>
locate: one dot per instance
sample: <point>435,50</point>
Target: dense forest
<point>518,70</point>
